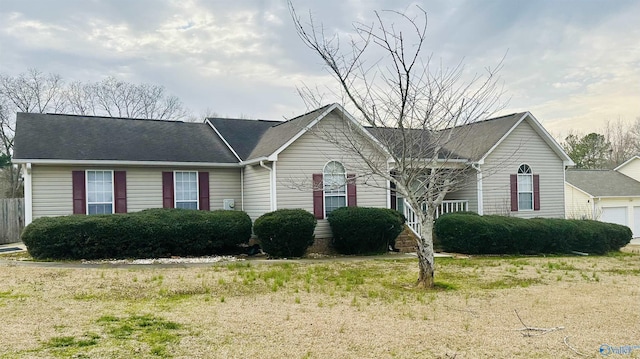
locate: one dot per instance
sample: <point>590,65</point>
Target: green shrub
<point>472,234</point>
<point>363,230</point>
<point>285,232</point>
<point>146,234</point>
<point>598,237</point>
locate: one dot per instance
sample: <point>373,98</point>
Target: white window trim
<point>324,193</point>
<point>86,191</point>
<point>175,194</point>
<point>530,175</point>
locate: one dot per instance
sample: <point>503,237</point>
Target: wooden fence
<point>11,219</point>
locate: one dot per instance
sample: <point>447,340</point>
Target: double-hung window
<point>99,192</point>
<point>186,189</point>
<point>525,188</point>
<point>335,186</point>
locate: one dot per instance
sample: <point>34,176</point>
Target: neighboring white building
<point>606,195</point>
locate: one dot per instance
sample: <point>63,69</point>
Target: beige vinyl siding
<point>631,169</point>
<point>51,191</point>
<point>467,190</point>
<point>144,187</point>
<point>523,145</point>
<point>224,183</point>
<point>307,156</point>
<point>52,187</point>
<point>257,191</point>
<point>579,205</point>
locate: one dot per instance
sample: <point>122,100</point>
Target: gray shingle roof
<point>416,143</point>
<point>276,136</point>
<point>603,183</point>
<point>242,135</point>
<point>474,140</point>
<point>71,137</point>
<point>471,141</point>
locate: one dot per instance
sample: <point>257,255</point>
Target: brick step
<point>406,241</point>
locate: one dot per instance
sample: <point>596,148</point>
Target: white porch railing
<point>452,206</point>
<point>413,221</point>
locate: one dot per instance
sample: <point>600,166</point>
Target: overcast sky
<point>574,64</point>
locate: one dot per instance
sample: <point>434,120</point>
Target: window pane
<point>334,167</point>
<point>524,169</point>
<point>91,196</point>
<point>525,183</point>
<point>179,191</point>
<point>186,188</point>
<point>334,202</point>
<point>99,192</point>
<point>334,183</point>
<point>187,205</point>
<point>334,186</point>
<point>525,200</point>
<point>100,209</point>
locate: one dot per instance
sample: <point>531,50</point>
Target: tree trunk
<point>426,263</point>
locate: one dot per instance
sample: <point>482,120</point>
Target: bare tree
<point>31,91</point>
<point>611,146</point>
<point>409,105</point>
<point>34,91</point>
<point>81,98</point>
<point>622,140</point>
<point>635,132</point>
<point>117,98</point>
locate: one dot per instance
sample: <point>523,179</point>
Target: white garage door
<point>636,221</point>
<point>616,215</point>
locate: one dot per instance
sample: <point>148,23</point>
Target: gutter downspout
<point>242,188</point>
<point>271,183</point>
<point>28,194</point>
<point>476,166</point>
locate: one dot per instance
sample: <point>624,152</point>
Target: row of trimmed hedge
<point>474,234</point>
<point>289,232</point>
<point>181,232</point>
<point>149,233</point>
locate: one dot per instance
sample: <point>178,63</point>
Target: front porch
<point>447,206</point>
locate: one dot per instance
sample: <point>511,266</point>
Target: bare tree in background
<point>389,84</point>
<point>115,98</point>
<point>623,142</point>
<point>34,91</point>
<point>635,131</point>
<point>606,149</point>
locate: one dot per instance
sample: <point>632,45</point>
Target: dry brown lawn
<point>325,309</point>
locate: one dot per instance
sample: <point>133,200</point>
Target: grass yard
<point>325,309</point>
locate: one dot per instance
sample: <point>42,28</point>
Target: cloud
<point>573,63</point>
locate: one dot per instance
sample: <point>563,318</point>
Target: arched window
<point>525,187</point>
<point>335,186</point>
